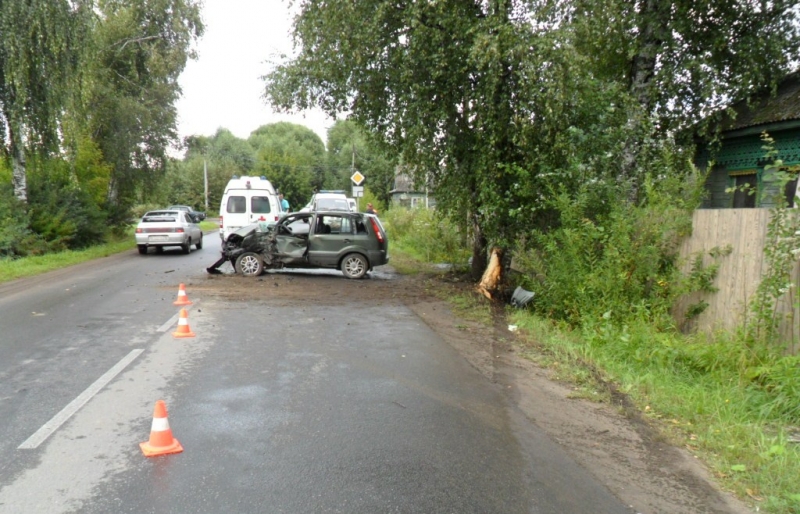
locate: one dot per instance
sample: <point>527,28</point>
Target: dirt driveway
<point>613,442</point>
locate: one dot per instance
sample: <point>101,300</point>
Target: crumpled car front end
<point>258,238</point>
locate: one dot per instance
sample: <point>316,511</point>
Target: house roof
<point>784,106</point>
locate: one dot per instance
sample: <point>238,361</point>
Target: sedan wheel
<point>142,249</point>
<point>199,244</point>
<point>250,264</point>
<point>354,265</point>
<point>186,248</point>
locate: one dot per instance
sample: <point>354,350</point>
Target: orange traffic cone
<point>183,326</point>
<point>182,298</point>
<point>161,441</point>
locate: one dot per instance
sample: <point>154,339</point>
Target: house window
<point>791,191</point>
<point>744,195</point>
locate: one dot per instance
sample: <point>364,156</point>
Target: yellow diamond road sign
<point>357,178</point>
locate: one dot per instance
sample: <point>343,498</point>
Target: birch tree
<point>41,44</point>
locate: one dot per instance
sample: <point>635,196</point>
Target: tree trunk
<point>643,68</point>
<point>493,276</point>
<point>479,244</point>
<point>18,176</point>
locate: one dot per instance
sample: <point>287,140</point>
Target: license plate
<point>158,238</point>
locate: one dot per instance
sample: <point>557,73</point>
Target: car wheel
<point>250,264</point>
<point>199,244</point>
<point>186,248</point>
<point>354,265</point>
<point>142,249</point>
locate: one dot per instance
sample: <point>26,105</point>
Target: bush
<point>425,234</point>
<point>16,239</point>
<point>619,261</point>
<point>65,216</point>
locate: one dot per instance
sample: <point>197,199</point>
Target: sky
<point>222,87</point>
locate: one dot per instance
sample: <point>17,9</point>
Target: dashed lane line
<point>51,426</point>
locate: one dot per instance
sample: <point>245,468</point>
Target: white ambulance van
<point>247,200</point>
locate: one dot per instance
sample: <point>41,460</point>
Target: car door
<point>194,229</point>
<point>291,238</point>
<point>334,235</point>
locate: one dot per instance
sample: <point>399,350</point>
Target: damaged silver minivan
<point>350,241</point>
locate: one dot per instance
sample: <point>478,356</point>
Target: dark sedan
<point>198,216</point>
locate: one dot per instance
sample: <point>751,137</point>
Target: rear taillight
<point>220,222</point>
<point>139,231</point>
<point>376,229</point>
<point>179,230</point>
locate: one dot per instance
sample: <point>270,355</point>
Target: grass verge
<point>715,413</point>
<point>12,269</point>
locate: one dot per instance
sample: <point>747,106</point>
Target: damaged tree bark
<point>493,276</point>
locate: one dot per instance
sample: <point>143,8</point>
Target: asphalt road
<point>279,406</point>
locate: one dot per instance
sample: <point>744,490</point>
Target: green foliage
<point>63,214</point>
<point>292,157</point>
<point>618,260</point>
<point>370,197</point>
<point>715,397</point>
<point>139,49</point>
<point>497,103</point>
<point>41,43</point>
<point>428,236</point>
<point>31,265</point>
<point>222,156</point>
<point>702,58</point>
<point>16,239</point>
<point>349,146</point>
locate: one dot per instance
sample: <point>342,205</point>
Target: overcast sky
<point>222,87</point>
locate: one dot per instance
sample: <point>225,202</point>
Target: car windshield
<point>332,204</point>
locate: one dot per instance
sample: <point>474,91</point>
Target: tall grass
<point>426,237</point>
<point>704,394</point>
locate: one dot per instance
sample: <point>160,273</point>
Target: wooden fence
<point>739,273</point>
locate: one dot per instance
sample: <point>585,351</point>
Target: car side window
<point>237,204</point>
<point>360,227</point>
<point>347,226</point>
<point>333,225</point>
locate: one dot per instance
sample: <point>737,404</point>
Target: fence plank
<point>739,273</point>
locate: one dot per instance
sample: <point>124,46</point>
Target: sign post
<point>358,190</point>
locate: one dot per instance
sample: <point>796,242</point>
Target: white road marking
<point>51,426</point>
<point>173,319</point>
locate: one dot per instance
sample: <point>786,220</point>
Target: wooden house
<point>741,176</point>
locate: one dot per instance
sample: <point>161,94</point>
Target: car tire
<point>354,265</point>
<point>186,248</point>
<point>250,264</point>
<point>142,249</point>
<point>199,245</point>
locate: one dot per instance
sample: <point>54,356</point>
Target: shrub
<point>426,235</point>
<point>16,239</point>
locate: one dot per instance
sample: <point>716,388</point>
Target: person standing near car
<point>371,209</point>
<point>284,203</point>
